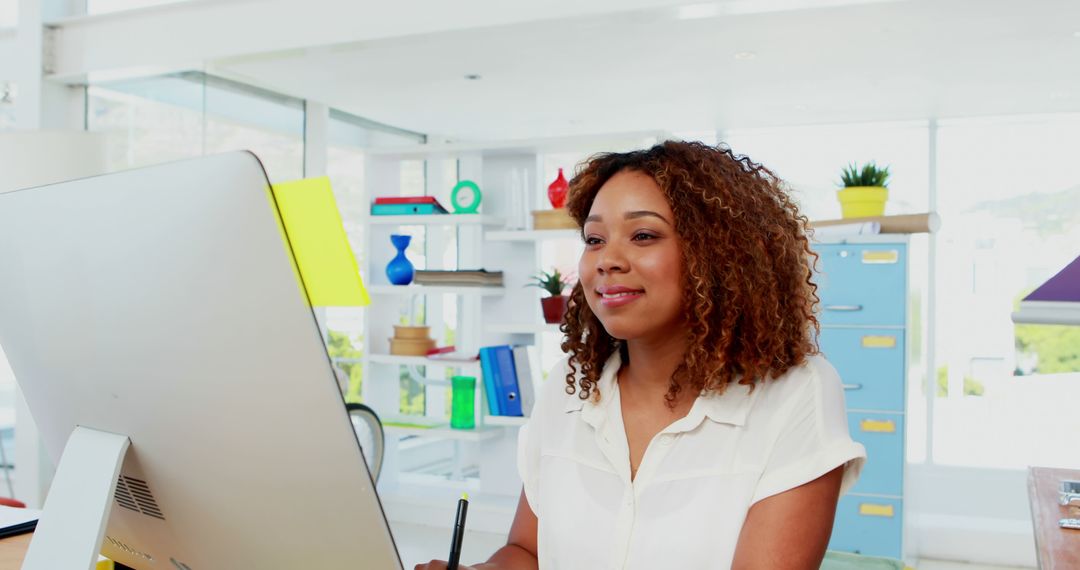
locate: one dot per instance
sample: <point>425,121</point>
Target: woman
<point>697,427</point>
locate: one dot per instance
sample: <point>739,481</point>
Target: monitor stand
<point>76,511</point>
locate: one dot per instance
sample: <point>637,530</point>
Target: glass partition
<point>170,117</point>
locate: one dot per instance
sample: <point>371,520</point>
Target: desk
<point>13,550</point>
<point>1057,548</point>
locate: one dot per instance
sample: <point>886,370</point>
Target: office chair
<point>369,432</point>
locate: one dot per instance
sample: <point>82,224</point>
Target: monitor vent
<point>134,494</point>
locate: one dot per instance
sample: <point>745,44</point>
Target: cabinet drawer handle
<point>878,426</point>
<point>886,256</point>
<point>872,510</point>
<point>847,308</point>
<point>853,386</point>
<point>879,341</point>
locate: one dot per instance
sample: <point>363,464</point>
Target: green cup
<point>463,402</point>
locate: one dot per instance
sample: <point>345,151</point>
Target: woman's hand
<point>440,565</point>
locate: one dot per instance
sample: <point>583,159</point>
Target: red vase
<point>557,191</point>
<point>554,308</point>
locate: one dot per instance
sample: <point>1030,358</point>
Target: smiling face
<point>631,269</point>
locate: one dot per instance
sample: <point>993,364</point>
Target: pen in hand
<point>459,532</point>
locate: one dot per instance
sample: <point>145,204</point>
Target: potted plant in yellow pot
<point>865,191</point>
<point>554,305</point>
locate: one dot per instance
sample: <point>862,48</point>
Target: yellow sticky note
<point>872,510</point>
<point>319,244</point>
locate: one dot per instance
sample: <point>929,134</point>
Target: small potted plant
<point>865,190</point>
<point>554,305</point>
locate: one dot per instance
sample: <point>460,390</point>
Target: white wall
<point>34,158</point>
<point>971,514</point>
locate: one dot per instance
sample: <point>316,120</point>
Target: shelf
<point>421,361</point>
<point>433,290</point>
<point>436,220</point>
<point>513,421</point>
<point>532,235</point>
<point>444,431</point>
<point>521,328</point>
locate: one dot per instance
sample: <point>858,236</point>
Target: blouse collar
<point>731,407</point>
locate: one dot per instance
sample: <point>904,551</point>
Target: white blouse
<point>697,478</point>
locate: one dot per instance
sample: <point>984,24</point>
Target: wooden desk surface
<point>13,550</point>
<point>1057,548</point>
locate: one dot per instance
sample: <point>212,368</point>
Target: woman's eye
<point>592,240</point>
<point>641,236</point>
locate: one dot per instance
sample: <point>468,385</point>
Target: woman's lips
<point>618,296</point>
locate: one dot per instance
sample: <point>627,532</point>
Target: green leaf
<point>869,175</point>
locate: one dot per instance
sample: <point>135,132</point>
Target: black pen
<point>459,532</point>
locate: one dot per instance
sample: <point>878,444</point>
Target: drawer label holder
<point>878,426</point>
<point>879,341</point>
<point>881,256</point>
<point>874,510</point>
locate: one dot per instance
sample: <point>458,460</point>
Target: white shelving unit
<point>513,179</point>
<point>446,432</point>
<point>409,290</point>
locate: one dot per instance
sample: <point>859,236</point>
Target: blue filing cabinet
<point>863,289</point>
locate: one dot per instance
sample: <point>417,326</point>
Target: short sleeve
<point>530,434</point>
<point>812,435</point>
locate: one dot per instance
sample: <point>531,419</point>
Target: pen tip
<point>465,496</point>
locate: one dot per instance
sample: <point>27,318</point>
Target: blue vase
<point>400,270</point>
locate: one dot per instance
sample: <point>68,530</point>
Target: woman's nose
<point>612,260</point>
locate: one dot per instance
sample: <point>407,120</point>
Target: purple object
<point>1065,286</point>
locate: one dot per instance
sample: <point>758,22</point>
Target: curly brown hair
<point>747,284</point>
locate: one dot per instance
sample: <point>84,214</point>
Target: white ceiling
<point>813,61</point>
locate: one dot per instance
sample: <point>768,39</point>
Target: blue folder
<point>506,382</point>
<point>487,369</point>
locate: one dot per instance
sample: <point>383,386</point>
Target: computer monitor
<point>164,304</point>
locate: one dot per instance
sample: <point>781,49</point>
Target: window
<point>240,117</point>
<point>1008,193</point>
<point>147,121</point>
<point>164,118</point>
